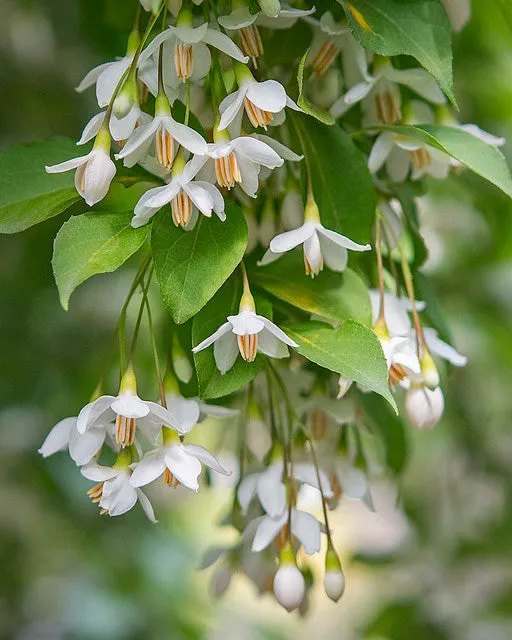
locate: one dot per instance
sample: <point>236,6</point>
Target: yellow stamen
<point>96,492</point>
<point>248,346</point>
<point>227,171</point>
<point>387,107</point>
<point>250,41</point>
<point>420,158</point>
<point>310,271</point>
<point>125,430</point>
<point>184,60</point>
<point>257,116</point>
<point>324,58</point>
<point>396,374</point>
<point>164,148</point>
<point>318,423</point>
<point>170,479</point>
<point>181,206</point>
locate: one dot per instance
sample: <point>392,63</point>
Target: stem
<point>187,107</point>
<point>153,345</point>
<point>137,325</point>
<point>378,250</point>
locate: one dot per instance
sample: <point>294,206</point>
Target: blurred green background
<point>442,571</point>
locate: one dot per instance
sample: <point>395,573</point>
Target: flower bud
<point>257,435</point>
<point>127,97</point>
<point>292,209</point>
<point>267,229</point>
<point>334,579</point>
<point>220,581</point>
<point>181,363</point>
<point>289,586</point>
<point>344,385</point>
<point>423,406</point>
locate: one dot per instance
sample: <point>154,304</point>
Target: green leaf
<point>304,104</point>
<point>334,296</point>
<point>352,350</point>
<point>419,28</point>
<point>389,427</point>
<point>29,195</point>
<point>342,184</point>
<point>482,158</point>
<point>92,243</point>
<point>192,265</point>
<point>225,303</point>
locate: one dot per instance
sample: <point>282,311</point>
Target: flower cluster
<point>183,112</point>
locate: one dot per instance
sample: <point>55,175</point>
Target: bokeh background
<point>437,566</point>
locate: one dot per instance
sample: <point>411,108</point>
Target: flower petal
<point>58,438</point>
<point>278,147</point>
<point>271,491</point>
<point>99,409</point>
<point>67,165</point>
<point>246,323</point>
<point>130,405</point>
<point>213,338</point>
<point>137,145</point>
<point>92,128</point>
<point>306,529</point>
<point>224,43</point>
<point>200,198</point>
<point>163,416</point>
<point>108,79</point>
<point>275,330</point>
<point>358,92</point>
<point>204,456</point>
<point>442,349</point>
<point>82,448</point>
<point>257,151</point>
<point>380,151</point>
<point>186,136</point>
<point>184,467</point>
<point>271,346</point>
<point>267,530</point>
<point>246,491</point>
<point>230,107</point>
<point>268,95</point>
<point>291,239</point>
<point>342,241</point>
<point>149,468</point>
<point>225,352</point>
<point>305,472</point>
<point>146,506</point>
<point>97,473</point>
<point>335,257</point>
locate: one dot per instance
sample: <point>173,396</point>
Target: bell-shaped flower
<point>288,585</point>
<point>162,132</point>
<point>94,171</point>
<point>114,494</point>
<point>261,100</point>
<point>305,527</point>
<point>239,161</point>
<point>179,463</point>
<point>125,409</point>
<point>382,92</point>
<point>186,195</point>
<point>319,244</point>
<point>270,489</point>
<point>192,57</point>
<point>246,333</point>
<point>82,447</point>
<point>120,128</point>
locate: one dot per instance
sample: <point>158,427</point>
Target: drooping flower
<point>289,585</point>
<point>239,161</point>
<point>161,132</point>
<point>94,171</point>
<point>270,489</point>
<point>261,100</point>
<point>319,244</point>
<point>125,409</point>
<point>381,89</point>
<point>423,406</point>
<point>114,494</point>
<point>246,333</point>
<point>334,580</point>
<point>120,128</point>
<point>192,57</point>
<point>180,463</point>
<point>186,195</point>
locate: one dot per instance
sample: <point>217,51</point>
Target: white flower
<point>401,153</point>
<point>186,195</point>
<point>238,161</point>
<point>192,57</point>
<point>82,446</point>
<point>289,586</point>
<point>190,411</point>
<point>162,131</point>
<point>271,491</point>
<point>246,333</point>
<point>114,493</point>
<point>423,406</point>
<point>262,100</point>
<point>352,482</point>
<point>381,89</point>
<point>334,584</point>
<point>304,527</point>
<point>94,172</point>
<point>106,78</point>
<point>319,244</point>
<point>180,464</point>
<point>125,409</point>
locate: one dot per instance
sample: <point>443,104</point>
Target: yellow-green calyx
<point>128,96</point>
<point>162,106</point>
<point>179,163</point>
<point>287,556</point>
<point>124,458</point>
<point>128,382</point>
<point>242,73</point>
<point>133,43</point>
<point>332,561</point>
<point>429,369</point>
<point>103,140</point>
<point>381,62</point>
<point>220,136</point>
<point>171,385</point>
<point>311,211</point>
<point>380,328</point>
<point>185,18</point>
<point>169,436</point>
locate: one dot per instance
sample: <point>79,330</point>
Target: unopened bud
<point>126,98</point>
<point>344,385</point>
<point>380,328</point>
<point>334,579</point>
<point>258,438</point>
<point>429,370</point>
<point>423,406</point>
<point>267,229</point>
<point>181,363</point>
<point>289,586</point>
<point>220,581</point>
